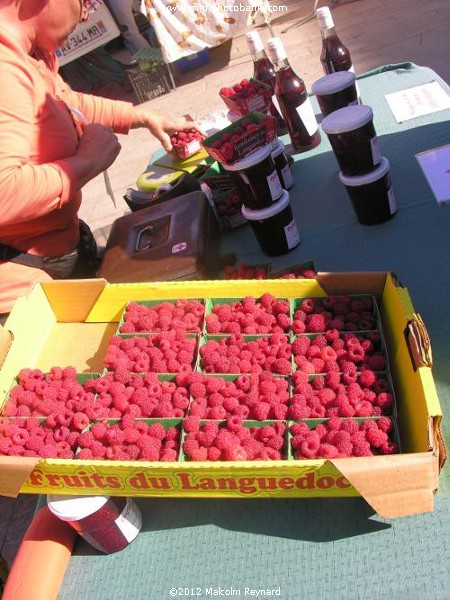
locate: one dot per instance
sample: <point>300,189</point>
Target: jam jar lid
<point>266,213</point>
<point>348,118</point>
<point>375,175</point>
<point>332,83</point>
<point>252,159</point>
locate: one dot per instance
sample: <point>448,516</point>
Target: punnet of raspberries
<point>244,271</point>
<point>40,394</point>
<point>235,354</point>
<point>341,438</point>
<point>140,396</point>
<point>186,143</point>
<point>241,138</point>
<point>247,95</point>
<point>129,439</point>
<point>164,352</point>
<point>344,313</point>
<point>54,437</point>
<point>256,397</point>
<point>232,440</point>
<point>250,316</point>
<point>347,394</point>
<point>180,314</point>
<point>334,351</point>
<point>294,272</point>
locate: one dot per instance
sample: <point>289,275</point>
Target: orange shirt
<point>39,196</point>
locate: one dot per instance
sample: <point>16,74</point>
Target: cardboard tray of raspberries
<point>122,430</point>
<point>241,138</point>
<point>247,96</point>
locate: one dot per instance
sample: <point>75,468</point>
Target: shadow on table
<point>298,519</point>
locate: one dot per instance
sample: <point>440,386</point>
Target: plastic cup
<point>335,91</point>
<point>274,227</point>
<point>108,523</point>
<point>259,172</point>
<point>352,136</point>
<point>372,195</point>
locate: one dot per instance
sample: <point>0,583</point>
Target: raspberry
<point>367,378</point>
<point>376,437</point>
<point>80,421</point>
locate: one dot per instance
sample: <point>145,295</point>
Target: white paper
<point>418,101</point>
<point>435,165</point>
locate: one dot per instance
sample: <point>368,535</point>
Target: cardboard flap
<point>357,282</point>
<point>394,485</point>
<point>419,343</point>
<point>6,339</point>
<point>15,470</point>
<point>72,299</point>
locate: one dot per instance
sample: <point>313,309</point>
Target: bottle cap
<point>324,17</point>
<point>254,41</point>
<point>276,49</point>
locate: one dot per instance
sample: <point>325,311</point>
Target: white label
<point>179,247</point>
<point>306,114</point>
<point>129,521</point>
<point>292,234</point>
<point>287,177</point>
<point>274,183</point>
<point>376,152</point>
<point>392,201</point>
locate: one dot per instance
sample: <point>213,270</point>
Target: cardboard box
<point>70,322</point>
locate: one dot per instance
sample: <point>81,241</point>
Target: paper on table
<point>435,165</point>
<point>418,101</point>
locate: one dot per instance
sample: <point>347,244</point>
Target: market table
<point>314,548</point>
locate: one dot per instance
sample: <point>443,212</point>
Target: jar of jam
<point>107,523</point>
<point>282,165</point>
<point>353,138</point>
<point>335,91</point>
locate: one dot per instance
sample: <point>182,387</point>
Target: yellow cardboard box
<point>70,322</point>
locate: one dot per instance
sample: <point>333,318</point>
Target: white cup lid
<point>252,159</point>
<point>358,180</point>
<point>74,508</point>
<point>270,211</point>
<point>332,83</point>
<point>348,118</point>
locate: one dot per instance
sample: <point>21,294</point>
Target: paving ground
<point>377,32</point>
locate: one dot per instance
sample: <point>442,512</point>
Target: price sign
<point>97,31</point>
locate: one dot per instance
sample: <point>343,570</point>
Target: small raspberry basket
<point>241,138</point>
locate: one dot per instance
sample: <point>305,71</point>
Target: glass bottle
<point>334,55</point>
<point>264,71</point>
<point>295,104</point>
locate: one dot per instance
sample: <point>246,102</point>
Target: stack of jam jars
<point>364,171</point>
<point>267,208</point>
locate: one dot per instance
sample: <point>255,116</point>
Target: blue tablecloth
<point>312,549</point>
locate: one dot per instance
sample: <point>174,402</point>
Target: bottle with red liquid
<point>334,55</point>
<point>295,104</point>
<point>264,71</point>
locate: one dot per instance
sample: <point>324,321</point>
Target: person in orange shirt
<point>46,156</point>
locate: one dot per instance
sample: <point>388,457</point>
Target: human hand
<point>98,146</point>
<point>162,126</point>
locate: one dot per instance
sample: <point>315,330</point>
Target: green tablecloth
<point>312,549</point>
